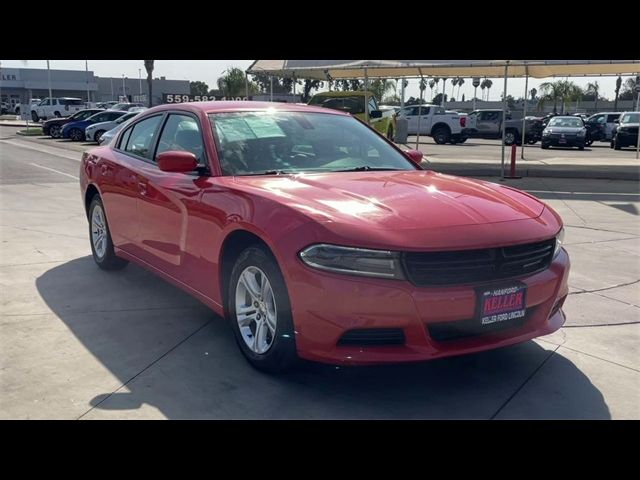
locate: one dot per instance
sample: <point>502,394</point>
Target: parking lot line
<point>54,170</point>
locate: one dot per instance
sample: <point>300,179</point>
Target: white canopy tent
<point>351,69</point>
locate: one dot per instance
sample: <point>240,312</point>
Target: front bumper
<point>627,139</point>
<point>567,141</point>
<point>325,306</point>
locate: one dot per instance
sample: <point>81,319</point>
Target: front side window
<point>181,132</point>
<point>140,140</point>
<point>612,118</point>
<point>254,143</point>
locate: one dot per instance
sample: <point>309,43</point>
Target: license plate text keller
<point>502,303</point>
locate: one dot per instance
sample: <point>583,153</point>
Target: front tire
<point>544,146</point>
<point>56,114</point>
<point>98,135</point>
<point>509,137</point>
<point>260,312</point>
<point>100,236</point>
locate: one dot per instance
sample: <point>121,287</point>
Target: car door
<point>611,123</point>
<point>121,181</point>
<point>168,201</point>
<point>408,115</point>
<point>423,119</point>
<point>488,124</point>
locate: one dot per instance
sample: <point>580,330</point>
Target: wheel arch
<point>89,193</point>
<point>441,125</point>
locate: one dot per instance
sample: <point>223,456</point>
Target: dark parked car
<point>564,131</point>
<point>126,106</point>
<point>75,130</point>
<point>54,126</point>
<point>626,131</point>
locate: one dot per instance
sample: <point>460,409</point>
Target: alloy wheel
<point>256,311</point>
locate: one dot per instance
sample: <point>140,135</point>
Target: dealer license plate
<point>500,304</point>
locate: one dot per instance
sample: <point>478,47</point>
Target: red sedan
<point>317,238</point>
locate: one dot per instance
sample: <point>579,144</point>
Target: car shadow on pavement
<point>176,357</point>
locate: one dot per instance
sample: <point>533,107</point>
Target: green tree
<point>198,88</point>
<point>232,83</point>
<point>489,84</point>
<point>307,86</point>
<point>148,65</point>
<point>593,89</point>
<point>629,89</point>
<point>432,83</point>
<point>533,92</point>
<point>460,83</point>
<point>380,87</point>
<point>559,91</point>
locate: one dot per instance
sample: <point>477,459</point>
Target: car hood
<point>108,125</point>
<point>394,201</point>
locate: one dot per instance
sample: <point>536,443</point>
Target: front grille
<point>458,330</point>
<point>483,265</point>
<point>372,336</point>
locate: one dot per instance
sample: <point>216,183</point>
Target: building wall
<point>17,85</point>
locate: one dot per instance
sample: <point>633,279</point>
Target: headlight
<point>547,131</point>
<point>353,261</point>
<point>582,133</point>
<point>559,242</point>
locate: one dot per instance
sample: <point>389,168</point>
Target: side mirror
<point>375,114</point>
<point>177,161</point>
<point>616,121</point>
<point>414,155</point>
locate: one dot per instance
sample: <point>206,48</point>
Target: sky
<point>208,71</point>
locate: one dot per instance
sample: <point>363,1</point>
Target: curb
<point>539,173</point>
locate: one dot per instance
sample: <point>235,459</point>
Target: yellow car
<point>353,103</point>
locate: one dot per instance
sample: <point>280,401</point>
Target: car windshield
<point>569,122</point>
<point>630,118</point>
<point>353,105</point>
<point>125,117</point>
<point>271,142</point>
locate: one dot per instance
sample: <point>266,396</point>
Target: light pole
<point>140,78</point>
<point>86,67</point>
<point>49,78</point>
<point>124,90</point>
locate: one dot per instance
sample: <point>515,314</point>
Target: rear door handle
<point>142,188</point>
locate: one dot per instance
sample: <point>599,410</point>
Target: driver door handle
<point>142,188</point>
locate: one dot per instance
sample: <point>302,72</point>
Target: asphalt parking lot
<point>78,342</point>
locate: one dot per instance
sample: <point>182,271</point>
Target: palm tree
<point>432,82</point>
<point>533,92</point>
<point>454,82</point>
<point>559,91</point>
<point>437,80</point>
<point>489,84</point>
<point>423,86</point>
<point>460,82</point>
<point>618,84</point>
<point>483,85</point>
<point>630,85</point>
<point>380,87</point>
<point>593,89</point>
<point>148,65</point>
<point>444,83</point>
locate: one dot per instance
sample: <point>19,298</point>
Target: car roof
<point>243,106</point>
<point>356,93</point>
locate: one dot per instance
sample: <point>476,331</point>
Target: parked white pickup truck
<point>56,107</point>
<point>434,121</point>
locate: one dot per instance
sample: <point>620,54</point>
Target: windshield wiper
<point>365,168</point>
<point>270,172</point>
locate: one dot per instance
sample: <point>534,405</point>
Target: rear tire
<point>441,136</point>
<point>266,337</point>
<point>100,237</point>
<point>55,131</point>
<point>509,137</point>
<point>34,116</point>
<point>544,146</point>
<point>76,134</point>
<point>616,145</point>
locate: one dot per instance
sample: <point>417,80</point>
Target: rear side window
<point>110,116</point>
<point>65,101</point>
<point>182,132</point>
<point>140,140</point>
<point>611,118</point>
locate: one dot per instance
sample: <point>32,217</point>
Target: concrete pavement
<point>78,342</point>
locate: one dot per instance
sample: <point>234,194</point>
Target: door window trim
<point>163,115</point>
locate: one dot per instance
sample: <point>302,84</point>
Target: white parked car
<point>94,132</point>
<point>434,121</point>
<point>34,103</point>
<point>56,107</point>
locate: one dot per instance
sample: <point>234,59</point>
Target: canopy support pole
<point>271,94</point>
<point>366,95</point>
<point>638,110</point>
<point>524,112</point>
<point>246,85</point>
<point>419,108</point>
<point>504,115</point>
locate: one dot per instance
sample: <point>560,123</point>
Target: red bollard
<point>513,162</point>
